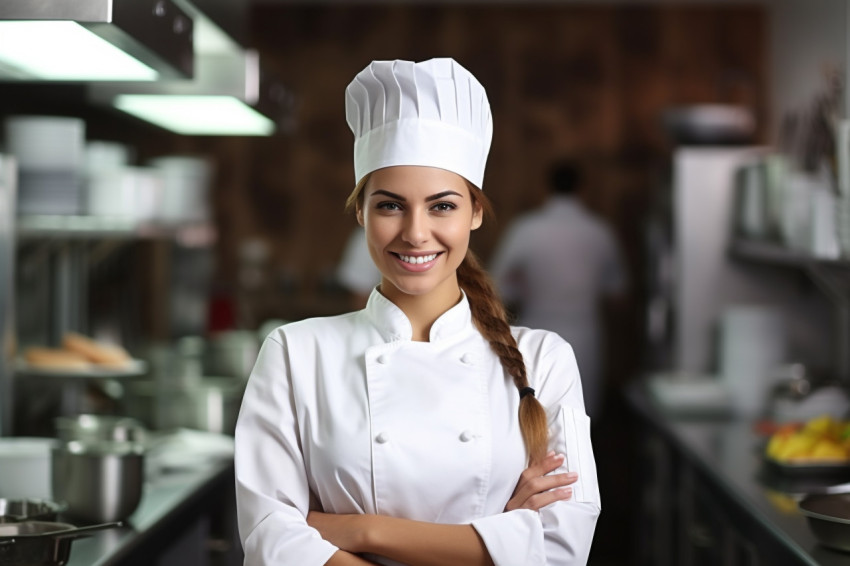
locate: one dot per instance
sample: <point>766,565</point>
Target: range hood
<point>93,40</point>
<point>230,94</point>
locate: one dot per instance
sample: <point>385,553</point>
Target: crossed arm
<point>419,543</point>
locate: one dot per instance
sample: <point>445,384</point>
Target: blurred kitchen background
<point>714,139</point>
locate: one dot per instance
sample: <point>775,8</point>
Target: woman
<point>421,430</point>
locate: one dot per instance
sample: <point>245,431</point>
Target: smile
<point>415,260</point>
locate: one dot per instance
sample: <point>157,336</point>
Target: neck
<point>423,310</point>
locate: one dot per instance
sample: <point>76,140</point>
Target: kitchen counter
<point>176,522</point>
<point>717,464</point>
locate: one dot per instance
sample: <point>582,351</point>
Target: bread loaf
<point>55,358</point>
<point>96,352</point>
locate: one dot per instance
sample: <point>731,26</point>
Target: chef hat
<point>433,113</point>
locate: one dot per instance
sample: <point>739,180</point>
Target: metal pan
<point>41,543</point>
<point>829,518</point>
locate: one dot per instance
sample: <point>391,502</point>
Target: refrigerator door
<point>8,194</point>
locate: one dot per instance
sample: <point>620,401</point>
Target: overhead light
<point>228,95</point>
<point>197,115</point>
<point>94,40</point>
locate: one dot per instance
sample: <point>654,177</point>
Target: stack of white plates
<point>104,156</point>
<point>186,186</point>
<point>127,192</point>
<point>50,154</point>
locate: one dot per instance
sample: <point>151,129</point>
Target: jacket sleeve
<point>560,534</point>
<point>272,492</point>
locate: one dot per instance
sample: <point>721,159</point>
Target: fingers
<point>538,487</point>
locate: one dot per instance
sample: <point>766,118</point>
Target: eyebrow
<point>427,199</point>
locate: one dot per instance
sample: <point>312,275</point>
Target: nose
<point>415,230</point>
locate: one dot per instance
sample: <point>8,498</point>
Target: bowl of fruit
<point>819,446</point>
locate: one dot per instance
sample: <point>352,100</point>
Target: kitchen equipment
<point>50,155</point>
<point>134,193</point>
<point>19,510</point>
<point>751,201</point>
<point>186,182</point>
<point>709,124</point>
<point>232,353</point>
<point>752,347</point>
<point>99,480</point>
<point>41,543</point>
<point>8,212</point>
<point>211,405</point>
<point>25,465</point>
<point>95,428</point>
<point>829,518</point>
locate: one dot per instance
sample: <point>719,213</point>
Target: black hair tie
<point>525,391</point>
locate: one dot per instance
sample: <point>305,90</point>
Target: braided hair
<point>490,317</point>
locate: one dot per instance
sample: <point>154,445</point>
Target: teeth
<point>417,260</point>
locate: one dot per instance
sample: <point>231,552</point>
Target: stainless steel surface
<point>829,518</point>
<point>18,510</point>
<point>706,280</point>
<point>99,481</point>
<point>8,207</point>
<point>727,453</point>
<point>156,32</point>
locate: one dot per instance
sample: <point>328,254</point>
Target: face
<point>418,222</point>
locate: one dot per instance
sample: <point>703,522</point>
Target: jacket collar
<point>393,324</point>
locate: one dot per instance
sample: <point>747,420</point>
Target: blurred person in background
<point>556,267</point>
<point>357,273</point>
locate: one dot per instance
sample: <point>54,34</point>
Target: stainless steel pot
<point>100,481</point>
<point>41,543</point>
<point>18,510</point>
<point>97,428</point>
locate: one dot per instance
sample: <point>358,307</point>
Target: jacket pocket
<point>570,435</point>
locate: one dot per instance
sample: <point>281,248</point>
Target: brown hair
<point>489,316</point>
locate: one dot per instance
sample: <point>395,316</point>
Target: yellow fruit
<point>826,449</point>
<point>775,444</point>
<point>797,446</point>
<point>823,425</point>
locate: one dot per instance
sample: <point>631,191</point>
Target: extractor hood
<point>228,95</point>
<point>92,40</point>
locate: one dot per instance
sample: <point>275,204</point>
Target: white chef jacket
<point>556,263</point>
<point>347,414</point>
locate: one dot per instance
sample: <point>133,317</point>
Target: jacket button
<point>467,359</point>
<point>466,436</point>
<point>382,359</point>
<point>382,438</point>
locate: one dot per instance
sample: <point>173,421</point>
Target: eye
<point>388,205</point>
<point>444,206</point>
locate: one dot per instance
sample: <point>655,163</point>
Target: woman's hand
<point>536,490</point>
<point>347,532</point>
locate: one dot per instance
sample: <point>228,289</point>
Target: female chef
<point>423,429</point>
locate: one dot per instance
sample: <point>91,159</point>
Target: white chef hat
<point>433,113</point>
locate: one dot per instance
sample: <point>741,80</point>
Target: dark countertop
<point>728,453</point>
<point>170,502</point>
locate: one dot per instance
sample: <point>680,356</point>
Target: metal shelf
<point>775,254</point>
<point>193,234</point>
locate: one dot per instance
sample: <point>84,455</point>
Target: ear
<point>359,212</point>
<point>477,216</point>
